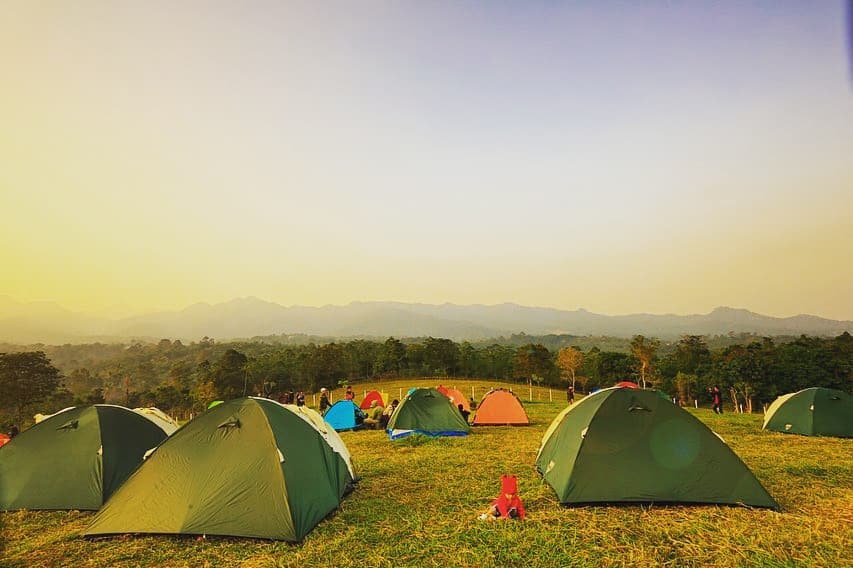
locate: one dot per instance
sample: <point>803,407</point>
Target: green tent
<point>248,467</point>
<point>427,411</point>
<point>74,459</point>
<point>812,412</point>
<point>623,445</point>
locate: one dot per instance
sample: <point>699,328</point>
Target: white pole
<point>696,403</point>
<point>530,395</point>
<point>313,400</point>
<point>472,393</point>
<point>550,396</point>
<point>401,393</point>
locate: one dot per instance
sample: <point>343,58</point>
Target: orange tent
<point>442,389</point>
<point>370,397</point>
<point>4,439</point>
<point>500,407</point>
<point>457,398</point>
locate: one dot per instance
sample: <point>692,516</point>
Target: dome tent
<point>427,411</point>
<point>74,459</point>
<point>160,418</point>
<point>500,407</point>
<point>379,397</point>
<point>628,445</point>
<point>331,436</point>
<point>457,398</point>
<point>812,412</point>
<point>344,415</point>
<point>248,467</point>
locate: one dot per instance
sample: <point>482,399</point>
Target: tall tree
<point>229,374</point>
<point>644,350</point>
<point>569,360</point>
<point>25,379</point>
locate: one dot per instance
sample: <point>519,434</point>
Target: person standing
<point>324,400</point>
<point>300,398</point>
<point>717,397</point>
<point>349,395</point>
<point>570,394</point>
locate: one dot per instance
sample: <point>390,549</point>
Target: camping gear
<point>500,407</point>
<point>427,411</point>
<point>812,412</point>
<point>160,418</point>
<point>75,459</point>
<point>344,415</point>
<point>249,467</point>
<point>371,396</point>
<point>457,398</point>
<point>4,439</point>
<point>628,445</point>
<point>627,384</point>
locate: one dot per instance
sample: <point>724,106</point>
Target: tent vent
<point>280,456</point>
<point>638,407</point>
<point>583,432</point>
<point>787,426</point>
<point>551,465</point>
<point>148,453</point>
<point>233,423</point>
<point>101,451</point>
<point>811,408</point>
<point>69,425</point>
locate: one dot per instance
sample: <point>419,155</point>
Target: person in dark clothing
<point>570,394</point>
<point>300,398</point>
<point>465,413</point>
<point>13,431</point>
<point>717,398</point>
<point>324,400</point>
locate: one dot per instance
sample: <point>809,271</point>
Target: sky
<point>662,157</point>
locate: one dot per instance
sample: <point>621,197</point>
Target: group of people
<point>377,415</point>
<point>288,397</point>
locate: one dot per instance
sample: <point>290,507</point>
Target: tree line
<point>183,378</point>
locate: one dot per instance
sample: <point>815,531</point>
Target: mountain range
<point>47,322</point>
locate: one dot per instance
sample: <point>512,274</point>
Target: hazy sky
<point>617,156</point>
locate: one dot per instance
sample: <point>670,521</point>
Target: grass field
<point>418,500</point>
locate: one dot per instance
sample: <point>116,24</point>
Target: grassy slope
<point>418,500</point>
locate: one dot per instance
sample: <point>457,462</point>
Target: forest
<point>183,378</point>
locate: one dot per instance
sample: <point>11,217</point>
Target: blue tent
<point>344,415</point>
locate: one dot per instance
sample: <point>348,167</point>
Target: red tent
<point>4,439</point>
<point>627,385</point>
<point>442,390</point>
<point>370,397</point>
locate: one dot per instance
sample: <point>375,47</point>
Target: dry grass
<point>418,499</point>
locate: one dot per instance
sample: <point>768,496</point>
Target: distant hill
<point>250,317</point>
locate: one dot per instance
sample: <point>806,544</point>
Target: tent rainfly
<point>74,459</point>
<point>249,467</point>
<point>625,445</point>
<point>812,412</point>
<point>427,411</point>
